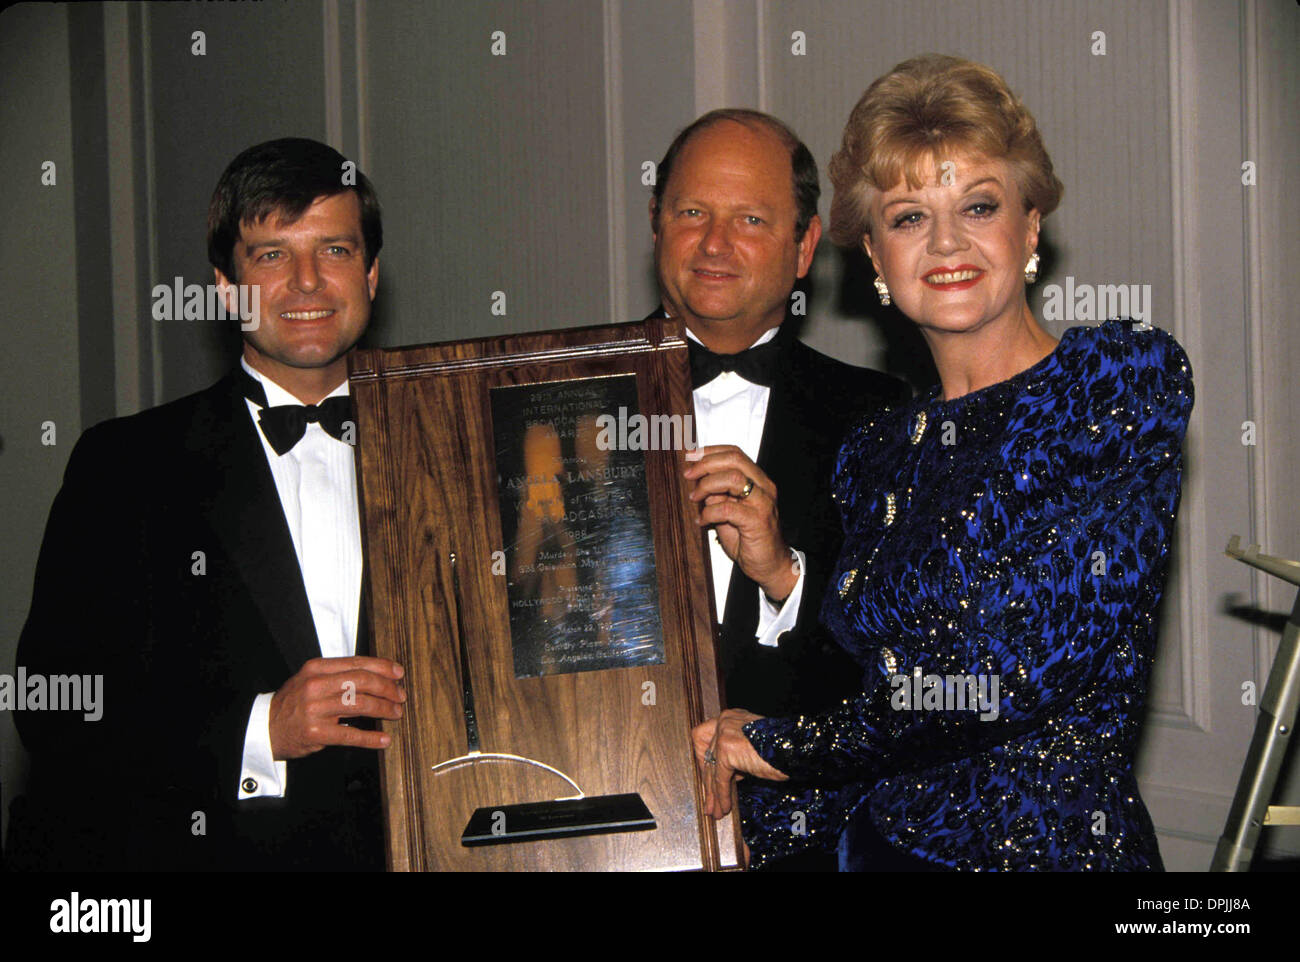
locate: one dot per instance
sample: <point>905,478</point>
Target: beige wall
<point>522,174</point>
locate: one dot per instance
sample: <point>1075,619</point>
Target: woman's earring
<point>1031,269</point>
<point>883,290</point>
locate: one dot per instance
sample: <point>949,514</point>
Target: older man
<point>735,224</point>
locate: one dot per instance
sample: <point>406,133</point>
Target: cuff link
<point>249,785</point>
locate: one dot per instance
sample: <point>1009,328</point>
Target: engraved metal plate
<point>575,514</point>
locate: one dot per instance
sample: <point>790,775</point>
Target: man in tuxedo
<point>204,557</point>
<point>735,223</point>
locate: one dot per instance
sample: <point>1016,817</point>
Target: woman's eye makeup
<point>978,209</point>
<point>982,208</point>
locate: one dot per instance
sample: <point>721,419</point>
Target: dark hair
<point>806,186</point>
<point>283,177</point>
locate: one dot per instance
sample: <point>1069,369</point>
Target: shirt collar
<point>277,396</point>
<point>763,339</point>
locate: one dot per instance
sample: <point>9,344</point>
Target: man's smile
<point>305,315</point>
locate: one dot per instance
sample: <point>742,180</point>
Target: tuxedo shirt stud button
<point>249,785</point>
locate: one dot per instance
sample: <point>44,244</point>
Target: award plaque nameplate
<point>576,525</point>
<point>534,563</point>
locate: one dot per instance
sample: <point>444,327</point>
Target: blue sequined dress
<point>1018,533</point>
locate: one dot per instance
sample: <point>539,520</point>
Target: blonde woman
<point>1006,536</point>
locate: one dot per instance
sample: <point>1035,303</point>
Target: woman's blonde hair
<point>924,111</point>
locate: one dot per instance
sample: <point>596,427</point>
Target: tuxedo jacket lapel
<point>741,616</point>
<point>795,428</point>
<point>780,426</point>
<point>243,509</point>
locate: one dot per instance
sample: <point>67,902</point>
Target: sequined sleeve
<point>1052,602</point>
<point>852,475</point>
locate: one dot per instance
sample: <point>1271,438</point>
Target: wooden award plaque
<point>534,564</point>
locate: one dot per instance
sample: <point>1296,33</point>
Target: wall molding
<point>1265,644</point>
<point>332,91</point>
<point>363,103</point>
<point>151,195</point>
<point>616,172</point>
<point>727,72</point>
<point>123,255</point>
<point>1198,815</point>
<point>1193,620</point>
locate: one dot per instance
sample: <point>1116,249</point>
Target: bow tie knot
<point>757,365</point>
<point>284,425</point>
<point>312,413</point>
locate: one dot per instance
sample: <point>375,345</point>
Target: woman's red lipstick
<point>953,278</point>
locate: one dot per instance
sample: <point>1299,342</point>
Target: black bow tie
<point>285,424</point>
<point>757,365</point>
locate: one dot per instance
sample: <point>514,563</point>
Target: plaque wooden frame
<point>428,487</point>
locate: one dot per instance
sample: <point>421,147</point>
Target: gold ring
<point>748,489</point>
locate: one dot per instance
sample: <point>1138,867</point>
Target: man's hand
<point>305,712</point>
<point>748,526</point>
<point>725,755</point>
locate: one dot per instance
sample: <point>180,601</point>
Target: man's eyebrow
<point>270,242</point>
<point>686,201</point>
<point>350,238</point>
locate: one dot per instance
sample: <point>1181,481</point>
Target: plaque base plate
<point>566,818</point>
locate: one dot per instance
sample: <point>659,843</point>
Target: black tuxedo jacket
<point>815,400</point>
<point>167,567</point>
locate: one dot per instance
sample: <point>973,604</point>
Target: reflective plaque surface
<point>575,514</point>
